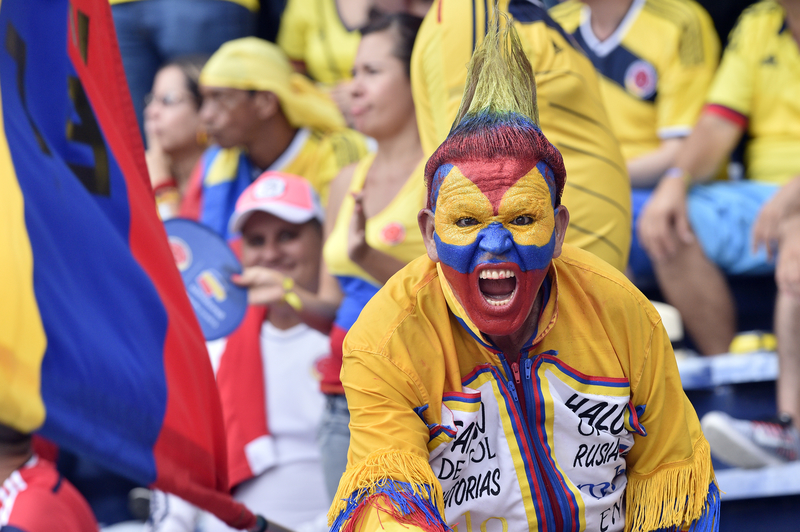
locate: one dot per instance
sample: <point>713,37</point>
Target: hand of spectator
<point>340,94</point>
<point>767,225</point>
<point>264,285</point>
<point>787,272</point>
<point>664,224</point>
<point>357,245</point>
<point>767,228</point>
<point>158,162</point>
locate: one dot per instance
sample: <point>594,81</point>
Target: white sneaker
<point>751,444</point>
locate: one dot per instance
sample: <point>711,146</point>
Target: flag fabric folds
<point>99,347</point>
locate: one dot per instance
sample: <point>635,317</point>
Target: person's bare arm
<point>664,224</point>
<point>767,229</point>
<point>787,271</point>
<point>647,169</point>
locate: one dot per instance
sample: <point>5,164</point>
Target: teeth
<point>497,303</point>
<point>496,274</point>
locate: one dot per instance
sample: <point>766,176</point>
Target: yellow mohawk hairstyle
<point>498,116</point>
<point>499,76</point>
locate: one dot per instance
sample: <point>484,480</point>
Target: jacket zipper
<point>552,515</point>
<point>533,421</point>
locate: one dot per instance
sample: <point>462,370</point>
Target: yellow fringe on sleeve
<point>406,479</point>
<point>682,497</point>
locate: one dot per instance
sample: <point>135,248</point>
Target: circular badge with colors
<point>206,264</point>
<point>641,79</point>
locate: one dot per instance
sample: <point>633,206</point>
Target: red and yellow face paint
<point>495,236</point>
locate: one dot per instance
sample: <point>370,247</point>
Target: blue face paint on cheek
<point>494,244</point>
<point>537,257</point>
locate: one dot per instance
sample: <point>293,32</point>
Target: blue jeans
<point>334,440</point>
<point>153,32</point>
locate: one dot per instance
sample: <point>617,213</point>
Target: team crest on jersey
<point>393,233</point>
<point>641,79</point>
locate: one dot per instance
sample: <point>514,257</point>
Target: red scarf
<point>242,390</point>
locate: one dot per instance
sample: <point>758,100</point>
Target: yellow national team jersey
<point>252,5</point>
<point>759,79</point>
<point>571,112</point>
<point>655,69</point>
<point>313,32</point>
<point>393,231</point>
<point>610,441</point>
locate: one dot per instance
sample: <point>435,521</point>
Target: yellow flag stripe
<point>22,337</point>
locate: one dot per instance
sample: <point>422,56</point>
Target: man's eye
<point>522,220</point>
<point>466,222</point>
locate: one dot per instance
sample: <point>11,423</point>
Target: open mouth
<point>497,286</point>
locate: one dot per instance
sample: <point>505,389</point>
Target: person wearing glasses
<point>175,137</point>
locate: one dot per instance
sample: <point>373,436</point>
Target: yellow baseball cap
<point>251,63</point>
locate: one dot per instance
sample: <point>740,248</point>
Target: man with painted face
<point>509,381</point>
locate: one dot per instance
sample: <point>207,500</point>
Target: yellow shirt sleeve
<point>733,85</point>
<point>685,82</point>
<point>674,458</point>
<point>388,457</point>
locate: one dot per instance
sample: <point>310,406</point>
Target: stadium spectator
<point>153,32</point>
<point>320,38</point>
<point>33,495</point>
<point>656,59</point>
<point>571,112</point>
<point>505,381</point>
<point>263,116</point>
<point>371,229</point>
<point>265,369</point>
<point>696,232</point>
<point>175,138</point>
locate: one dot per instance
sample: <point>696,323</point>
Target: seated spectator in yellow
<point>262,115</point>
<point>320,38</point>
<point>696,232</point>
<point>656,59</point>
<point>571,111</point>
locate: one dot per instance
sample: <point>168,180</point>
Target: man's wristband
<point>291,298</point>
<point>678,173</point>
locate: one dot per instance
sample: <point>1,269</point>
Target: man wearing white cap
<point>266,369</point>
<point>261,116</point>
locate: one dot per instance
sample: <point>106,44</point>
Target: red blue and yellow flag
<point>99,348</point>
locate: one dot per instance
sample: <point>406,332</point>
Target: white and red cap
<point>287,196</point>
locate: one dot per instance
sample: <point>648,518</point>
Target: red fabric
<point>192,201</point>
<point>166,185</point>
<point>727,113</point>
<point>190,452</point>
<point>331,366</point>
<point>44,501</point>
<point>45,448</point>
<point>240,379</point>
